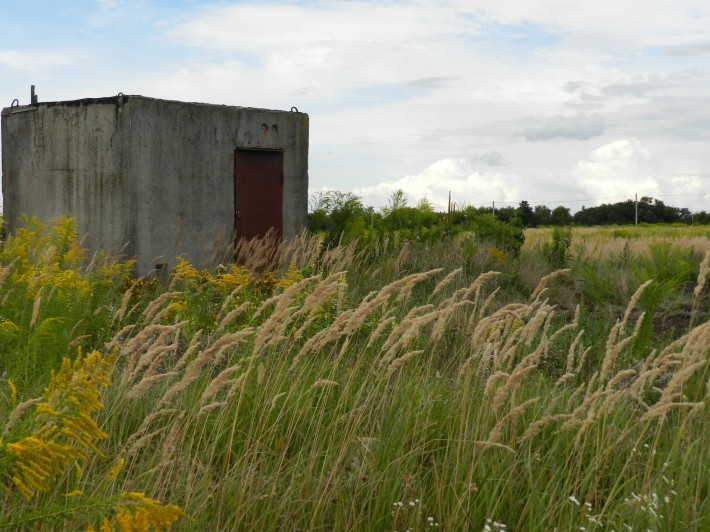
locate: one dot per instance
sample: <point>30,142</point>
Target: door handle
<point>236,213</point>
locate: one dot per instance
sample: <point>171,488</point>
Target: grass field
<point>394,386</point>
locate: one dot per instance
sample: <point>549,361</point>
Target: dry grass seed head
<point>211,355</point>
<point>536,426</point>
<point>401,361</point>
<point>17,412</point>
<point>35,308</point>
<point>572,351</point>
<point>124,303</point>
<point>325,383</point>
<point>145,384</point>
<point>516,378</point>
<point>542,284</point>
<point>218,383</point>
<point>510,417</point>
<point>702,275</point>
<point>231,315</point>
<point>632,302</point>
<point>154,306</point>
<point>443,283</point>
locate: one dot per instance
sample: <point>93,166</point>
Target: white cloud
<point>458,176</point>
<point>620,168</point>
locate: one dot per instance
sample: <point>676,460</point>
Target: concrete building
<point>162,178</point>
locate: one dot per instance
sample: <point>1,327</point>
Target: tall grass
<point>386,388</point>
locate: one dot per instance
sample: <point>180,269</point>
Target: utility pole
<point>636,210</point>
<point>494,208</point>
<point>448,215</point>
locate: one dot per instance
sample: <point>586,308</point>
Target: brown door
<point>258,192</point>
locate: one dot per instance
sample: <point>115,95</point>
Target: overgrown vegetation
<point>412,383</point>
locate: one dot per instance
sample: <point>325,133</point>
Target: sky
<point>556,102</point>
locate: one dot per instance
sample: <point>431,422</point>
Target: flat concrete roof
<point>122,98</point>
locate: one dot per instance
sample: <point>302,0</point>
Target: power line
<point>561,202</point>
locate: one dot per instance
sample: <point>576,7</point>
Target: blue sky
<point>547,101</point>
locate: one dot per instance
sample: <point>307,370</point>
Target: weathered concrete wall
<point>68,160</point>
<point>156,175</point>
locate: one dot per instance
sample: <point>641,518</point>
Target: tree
<point>560,216</point>
<point>526,213</point>
<point>541,215</point>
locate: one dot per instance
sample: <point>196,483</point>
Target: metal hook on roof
<point>294,108</point>
<point>15,103</point>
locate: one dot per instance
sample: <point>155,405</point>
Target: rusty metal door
<point>258,192</point>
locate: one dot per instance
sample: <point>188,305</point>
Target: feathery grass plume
<point>7,295</point>
<point>478,283</point>
<point>443,318</point>
<point>147,382</point>
<point>542,284</point>
<point>119,337</point>
<point>515,378</point>
<point>576,394</point>
<point>17,413</point>
<point>611,356</point>
<point>572,351</point>
<point>145,424</point>
<point>275,325</point>
<point>702,275</point>
<point>493,380</point>
<point>564,378</point>
<point>443,283</point>
<point>479,360</point>
<point>231,315</point>
<point>412,280</point>
<point>562,330</point>
<point>152,358</point>
<point>275,399</point>
<point>228,300</point>
<point>124,303</point>
<point>321,294</point>
<point>510,417</point>
<point>211,355</point>
<point>405,324</point>
<point>153,342</point>
<point>236,384</point>
<point>35,308</point>
<point>483,308</point>
<point>77,341</point>
<point>219,382</point>
<point>211,407</point>
<point>325,383</point>
<point>5,271</point>
<point>675,386</point>
<point>401,361</point>
<point>582,357</point>
<point>620,377</point>
<point>532,327</point>
<point>139,347</point>
<point>536,426</point>
<point>494,445</point>
<point>632,302</point>
<point>194,345</point>
<point>415,327</point>
<point>154,306</point>
<point>379,330</point>
<point>660,410</point>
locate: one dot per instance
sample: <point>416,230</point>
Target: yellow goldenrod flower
<point>116,469</point>
<point>13,391</point>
